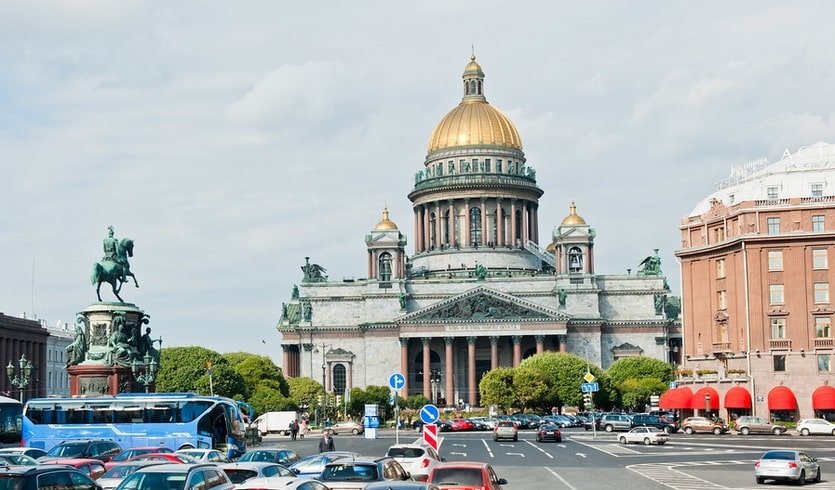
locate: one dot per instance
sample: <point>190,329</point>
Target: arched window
<point>475,226</point>
<point>432,237</point>
<point>466,87</point>
<point>472,88</point>
<point>384,267</point>
<point>575,259</point>
<point>479,87</point>
<point>518,230</point>
<point>434,362</point>
<point>339,378</point>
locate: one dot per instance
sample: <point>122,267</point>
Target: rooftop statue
<point>650,266</point>
<point>313,272</point>
<point>77,350</point>
<point>114,267</point>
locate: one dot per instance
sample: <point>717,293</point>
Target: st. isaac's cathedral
<point>479,291</point>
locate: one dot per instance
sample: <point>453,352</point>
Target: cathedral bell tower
<point>573,245</point>
<point>386,252</point>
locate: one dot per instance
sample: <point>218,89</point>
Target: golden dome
<point>551,248</point>
<point>573,218</point>
<point>474,121</point>
<point>385,223</point>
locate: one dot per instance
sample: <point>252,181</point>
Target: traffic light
<point>587,400</point>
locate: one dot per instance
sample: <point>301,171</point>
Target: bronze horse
<point>114,273</point>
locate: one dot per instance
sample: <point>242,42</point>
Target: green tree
<point>181,367</point>
<point>496,388</point>
<point>269,399</point>
<point>225,382</point>
<point>531,388</point>
<point>305,392</point>
<point>635,393</point>
<point>415,401</point>
<point>235,358</point>
<point>564,373</point>
<point>639,367</point>
<point>256,369</point>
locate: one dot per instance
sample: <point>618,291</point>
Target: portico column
<point>517,350</point>
<point>540,344</point>
<point>466,237</point>
<point>417,230</point>
<point>287,362</point>
<point>563,343</point>
<point>499,224</point>
<point>513,236</point>
<point>427,371</point>
<point>451,225</point>
<point>526,222</point>
<point>350,381</point>
<point>404,365</point>
<point>494,352</point>
<point>448,376</point>
<point>471,388</point>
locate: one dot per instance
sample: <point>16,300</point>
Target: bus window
<point>78,415</point>
<point>101,414</point>
<point>192,409</point>
<point>160,413</point>
<point>131,414</point>
<point>10,421</point>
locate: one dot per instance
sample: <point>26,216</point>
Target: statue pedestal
<point>94,379</point>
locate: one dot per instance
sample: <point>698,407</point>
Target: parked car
<point>417,459</point>
<point>241,472</point>
<point>691,425</point>
<point>347,426</point>
<point>356,473</point>
<point>282,483</point>
<point>32,452</point>
<point>17,459</point>
<point>135,451</point>
<point>177,476</point>
<point>93,468</point>
<point>118,472</point>
<point>312,466</point>
<point>548,432</point>
<point>459,425</point>
<point>279,455</point>
<point>488,422</point>
<point>787,465</point>
<point>815,426</point>
<point>645,435</point>
<point>506,429</point>
<point>466,474</point>
<point>164,458</point>
<point>401,485</point>
<point>611,422</point>
<point>44,477</point>
<point>750,424</point>
<point>102,450</point>
<point>204,455</point>
<point>643,419</point>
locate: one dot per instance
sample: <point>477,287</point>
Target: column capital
<point>404,341</point>
<point>471,340</point>
<point>517,339</point>
<point>540,339</point>
<point>449,340</point>
<point>494,339</point>
<point>307,347</point>
<point>285,347</point>
<point>426,341</point>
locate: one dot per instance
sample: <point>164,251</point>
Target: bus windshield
<point>173,420</point>
<point>10,421</point>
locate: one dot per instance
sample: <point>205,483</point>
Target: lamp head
<point>10,370</point>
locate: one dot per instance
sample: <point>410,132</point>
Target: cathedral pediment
<point>483,305</point>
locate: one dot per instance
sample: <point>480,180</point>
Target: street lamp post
<point>23,376</point>
<point>324,346</point>
<point>435,381</point>
<point>707,404</point>
<point>147,374</point>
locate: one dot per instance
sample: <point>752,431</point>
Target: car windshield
<point>240,476</point>
<point>405,452</point>
<point>121,470</point>
<point>349,472</point>
<point>68,450</point>
<point>459,477</point>
<point>259,456</point>
<point>154,481</point>
<point>785,455</point>
<point>11,482</point>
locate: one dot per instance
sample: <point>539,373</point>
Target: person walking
<point>294,429</point>
<point>326,443</point>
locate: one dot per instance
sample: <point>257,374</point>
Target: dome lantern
<point>573,218</point>
<point>473,81</point>
<point>385,223</point>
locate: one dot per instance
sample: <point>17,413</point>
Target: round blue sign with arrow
<point>429,414</point>
<point>397,381</point>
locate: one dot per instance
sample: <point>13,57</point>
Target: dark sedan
<point>548,432</point>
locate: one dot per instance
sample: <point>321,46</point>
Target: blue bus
<point>10,421</point>
<point>174,420</point>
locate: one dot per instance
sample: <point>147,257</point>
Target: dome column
<point>451,224</point>
<point>526,223</point>
<point>418,231</point>
<point>499,227</point>
<point>426,236</point>
<point>513,236</point>
<point>438,236</point>
<point>483,222</point>
<point>467,241</point>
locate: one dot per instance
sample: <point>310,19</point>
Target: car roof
<point>176,467</point>
<point>28,470</point>
<point>358,459</point>
<point>248,464</point>
<point>69,460</point>
<point>462,464</point>
<point>409,446</point>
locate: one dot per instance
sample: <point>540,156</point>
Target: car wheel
<point>355,431</point>
<point>717,431</point>
<point>538,439</point>
<point>804,432</point>
<point>515,438</point>
<point>495,439</point>
<point>818,476</point>
<point>623,439</point>
<point>760,480</point>
<point>559,439</point>
<point>688,430</point>
<point>777,431</point>
<point>745,431</point>
<point>609,428</point>
<point>661,443</point>
<point>647,441</point>
<point>802,479</point>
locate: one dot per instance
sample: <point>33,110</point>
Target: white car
<point>815,426</point>
<point>787,465</point>
<point>241,472</point>
<point>644,435</point>
<point>282,483</point>
<point>417,459</point>
<point>204,455</point>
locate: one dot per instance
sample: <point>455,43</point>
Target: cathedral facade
<point>478,291</point>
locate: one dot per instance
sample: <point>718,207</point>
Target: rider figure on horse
<point>111,245</point>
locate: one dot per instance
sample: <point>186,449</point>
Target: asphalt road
<point>583,462</point>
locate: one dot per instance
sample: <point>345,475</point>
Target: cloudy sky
<point>232,139</point>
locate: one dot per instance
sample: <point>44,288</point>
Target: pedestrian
<point>294,429</point>
<point>326,443</point>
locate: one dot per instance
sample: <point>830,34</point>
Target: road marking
<point>516,454</point>
<point>546,453</point>
<point>558,477</point>
<point>580,454</point>
<point>488,447</point>
<point>460,454</point>
<point>460,445</point>
<point>666,474</point>
<point>507,445</point>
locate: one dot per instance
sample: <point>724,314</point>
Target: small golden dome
<point>573,218</point>
<point>385,223</point>
<point>473,68</point>
<point>551,248</point>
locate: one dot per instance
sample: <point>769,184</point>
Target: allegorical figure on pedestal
<point>114,267</point>
<point>77,350</point>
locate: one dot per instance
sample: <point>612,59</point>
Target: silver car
<point>787,465</point>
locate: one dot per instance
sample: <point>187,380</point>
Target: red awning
<point>782,398</point>
<point>823,398</point>
<point>699,400</point>
<point>738,397</point>
<point>675,399</point>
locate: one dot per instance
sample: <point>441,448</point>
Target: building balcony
<point>824,343</point>
<point>780,344</point>
<point>722,347</point>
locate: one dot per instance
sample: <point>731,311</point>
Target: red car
<point>549,432</point>
<point>93,468</point>
<point>461,425</point>
<point>133,452</point>
<point>466,475</point>
<point>163,457</point>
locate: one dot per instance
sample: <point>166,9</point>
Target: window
<point>475,226</point>
<point>720,268</point>
<point>339,378</point>
<point>475,164</point>
<point>820,259</point>
<point>775,260</point>
<point>385,267</point>
<point>824,363</point>
<point>818,225</point>
<point>778,328</point>
<point>575,260</point>
<point>450,167</point>
<point>731,199</point>
<point>780,363</point>
<point>719,234</point>
<point>821,292</point>
<point>773,226</point>
<point>772,192</point>
<point>721,299</point>
<point>775,293</point>
<point>817,190</point>
<point>439,169</point>
<point>823,326</point>
<point>499,166</point>
<point>486,164</point>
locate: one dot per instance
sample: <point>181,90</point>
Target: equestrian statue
<point>114,267</point>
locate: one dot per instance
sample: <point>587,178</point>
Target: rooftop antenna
<point>34,315</point>
<point>473,49</point>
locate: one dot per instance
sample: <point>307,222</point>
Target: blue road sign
<point>391,398</point>
<point>397,381</point>
<point>672,384</point>
<point>429,414</point>
<point>589,387</point>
